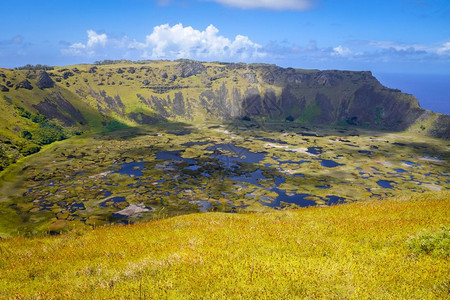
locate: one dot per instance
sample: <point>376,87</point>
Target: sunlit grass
<point>359,250</point>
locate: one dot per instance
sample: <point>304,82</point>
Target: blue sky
<point>402,36</point>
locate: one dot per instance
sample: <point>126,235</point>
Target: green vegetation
<point>37,67</point>
<point>115,125</point>
<point>435,243</point>
<point>309,114</point>
<point>47,131</point>
<point>349,251</point>
<point>157,139</point>
<point>172,169</point>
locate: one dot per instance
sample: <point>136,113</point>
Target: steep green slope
<point>104,97</point>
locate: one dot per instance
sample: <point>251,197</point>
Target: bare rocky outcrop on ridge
<point>44,81</point>
<point>190,68</point>
<point>24,85</point>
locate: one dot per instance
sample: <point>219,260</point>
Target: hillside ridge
<point>42,106</point>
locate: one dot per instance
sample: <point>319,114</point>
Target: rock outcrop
<point>44,81</point>
<point>24,85</point>
<point>190,68</point>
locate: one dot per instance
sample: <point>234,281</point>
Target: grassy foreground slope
<point>370,250</point>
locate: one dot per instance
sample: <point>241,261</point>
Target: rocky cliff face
<point>85,97</point>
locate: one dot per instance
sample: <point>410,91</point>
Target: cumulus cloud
<point>178,41</point>
<point>94,42</point>
<point>171,42</point>
<point>186,42</point>
<point>95,39</point>
<point>341,51</point>
<point>268,4</point>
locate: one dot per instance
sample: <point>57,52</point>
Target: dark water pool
<point>251,178</point>
<point>243,155</point>
<point>173,155</point>
<point>365,152</point>
<point>386,184</point>
<point>298,199</point>
<point>410,163</point>
<point>112,200</point>
<point>294,161</point>
<point>131,169</point>
<point>308,134</point>
<point>334,200</point>
<point>328,163</point>
<point>76,206</point>
<point>193,167</point>
<point>189,144</point>
<point>273,141</point>
<point>325,186</point>
<point>203,205</point>
<point>315,150</point>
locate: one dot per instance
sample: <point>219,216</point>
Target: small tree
<point>290,119</point>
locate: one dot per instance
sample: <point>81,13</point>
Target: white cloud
<point>341,51</point>
<point>178,41</point>
<point>436,49</point>
<point>444,49</point>
<point>268,4</point>
<point>170,42</point>
<point>186,42</point>
<point>95,39</point>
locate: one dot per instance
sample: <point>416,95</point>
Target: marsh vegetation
<point>151,172</point>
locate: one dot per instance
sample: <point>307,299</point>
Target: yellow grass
<point>351,251</point>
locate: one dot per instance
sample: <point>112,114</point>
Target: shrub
<point>115,125</point>
<point>39,119</point>
<point>435,243</point>
<point>26,135</point>
<point>29,149</point>
<point>290,118</point>
<point>7,99</point>
<point>35,67</point>
<point>48,133</point>
<point>23,112</point>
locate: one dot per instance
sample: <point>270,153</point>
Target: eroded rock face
<point>187,69</point>
<point>44,81</point>
<point>55,106</point>
<point>142,118</point>
<point>67,74</point>
<point>24,85</point>
<point>251,77</point>
<point>441,128</point>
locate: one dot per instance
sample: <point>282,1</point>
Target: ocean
<point>432,91</point>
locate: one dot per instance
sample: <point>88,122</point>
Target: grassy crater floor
<point>145,173</point>
<point>360,250</point>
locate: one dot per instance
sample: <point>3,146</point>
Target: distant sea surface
<point>432,91</point>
